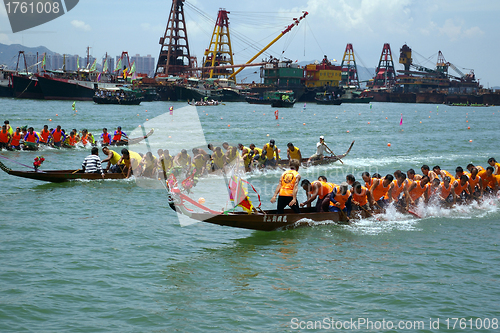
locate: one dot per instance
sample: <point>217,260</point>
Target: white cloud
<point>4,39</point>
<point>454,30</point>
<point>80,25</point>
<point>371,16</point>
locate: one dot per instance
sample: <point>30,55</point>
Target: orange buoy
<point>201,201</point>
<point>228,125</point>
<point>170,137</point>
<point>139,125</point>
<point>264,114</point>
<point>389,144</point>
<point>146,111</point>
<point>267,134</point>
<point>468,127</point>
<point>147,119</point>
<point>50,119</point>
<point>470,140</point>
<point>368,123</point>
<point>137,115</point>
<point>304,124</point>
<point>420,122</point>
<point>57,115</point>
<point>347,131</point>
<point>221,118</point>
<point>385,117</point>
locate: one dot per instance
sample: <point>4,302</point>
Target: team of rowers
<point>404,189</point>
<point>27,138</point>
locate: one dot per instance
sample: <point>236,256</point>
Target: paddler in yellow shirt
<point>112,159</point>
<point>271,152</point>
<point>131,160</point>
<point>293,152</point>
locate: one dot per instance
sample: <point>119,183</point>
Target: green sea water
<point>110,256</point>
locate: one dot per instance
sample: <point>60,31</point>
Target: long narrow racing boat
<point>324,160</point>
<point>59,176</point>
<point>263,220</point>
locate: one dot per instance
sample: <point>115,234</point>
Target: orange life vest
<point>418,190</point>
<point>16,137</point>
<point>460,188</point>
<point>72,140</point>
<point>396,190</point>
<point>324,190</point>
<point>361,198</point>
<point>474,182</point>
<point>4,136</point>
<point>31,137</point>
<point>85,139</point>
<point>287,181</point>
<point>57,135</point>
<point>445,192</point>
<point>380,190</point>
<point>341,198</point>
<point>44,136</point>
<point>487,180</point>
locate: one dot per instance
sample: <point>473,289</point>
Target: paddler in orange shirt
<point>316,189</point>
<point>442,173</point>
<point>476,183</point>
<point>45,135</point>
<point>379,189</point>
<point>418,189</point>
<point>58,136</point>
<point>490,182</point>
<point>15,142</point>
<point>428,172</point>
<point>446,192</point>
<point>288,188</point>
<point>360,197</point>
<point>5,138</point>
<point>462,188</point>
<point>492,162</point>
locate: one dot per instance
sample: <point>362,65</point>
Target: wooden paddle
<point>331,152</point>
<point>75,171</point>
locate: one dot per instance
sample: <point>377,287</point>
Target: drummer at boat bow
<point>321,147</point>
<point>288,188</point>
<point>92,163</point>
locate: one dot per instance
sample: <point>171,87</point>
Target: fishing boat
<point>324,160</point>
<point>351,95</point>
<point>283,99</point>
<point>327,98</point>
<point>60,176</point>
<point>6,81</point>
<point>118,95</point>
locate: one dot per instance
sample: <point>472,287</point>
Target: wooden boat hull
<point>325,160</point>
<point>60,176</point>
<point>256,100</point>
<point>269,220</point>
<point>361,100</point>
<point>328,101</point>
<point>282,103</point>
<point>130,101</point>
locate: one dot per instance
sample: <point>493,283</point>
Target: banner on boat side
<point>27,14</point>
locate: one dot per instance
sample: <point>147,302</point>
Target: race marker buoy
<point>468,127</point>
<point>228,125</point>
<point>267,134</point>
<point>389,144</point>
<point>304,124</point>
<point>368,123</point>
<point>170,137</point>
<point>201,201</point>
<point>347,131</point>
<point>57,115</point>
<point>50,119</point>
<point>470,140</point>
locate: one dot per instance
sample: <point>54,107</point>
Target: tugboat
<point>283,99</point>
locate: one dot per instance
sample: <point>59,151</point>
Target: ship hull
<point>73,90</point>
<point>26,87</point>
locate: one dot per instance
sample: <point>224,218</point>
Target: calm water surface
<point>110,256</point>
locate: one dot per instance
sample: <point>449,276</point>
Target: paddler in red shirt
<point>45,134</point>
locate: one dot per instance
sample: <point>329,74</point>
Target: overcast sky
<point>465,31</point>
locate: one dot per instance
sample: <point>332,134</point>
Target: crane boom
<point>296,22</point>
